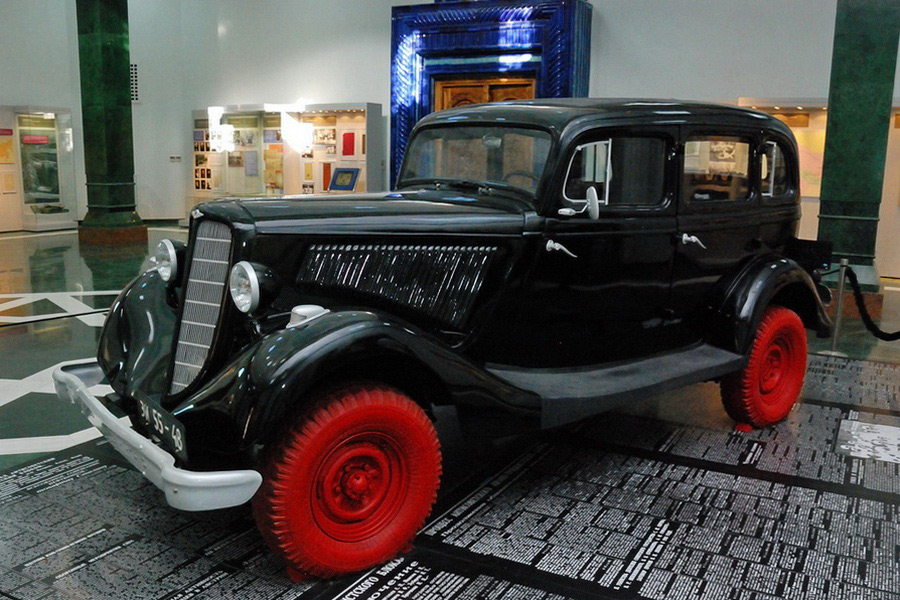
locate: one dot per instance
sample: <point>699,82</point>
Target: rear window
<point>775,178</point>
<point>716,168</point>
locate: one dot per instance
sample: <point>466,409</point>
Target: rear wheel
<point>351,483</point>
<point>765,391</point>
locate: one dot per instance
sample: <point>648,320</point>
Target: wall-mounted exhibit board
<point>275,150</point>
<point>37,170</point>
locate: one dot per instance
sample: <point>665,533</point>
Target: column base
<point>113,235</point>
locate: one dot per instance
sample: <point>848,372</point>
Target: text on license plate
<point>163,425</point>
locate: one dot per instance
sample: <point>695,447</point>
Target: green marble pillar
<point>106,121</point>
<point>859,109</point>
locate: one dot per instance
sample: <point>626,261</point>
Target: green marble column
<point>859,108</point>
<point>106,121</point>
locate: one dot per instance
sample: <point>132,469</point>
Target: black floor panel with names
<point>623,506</point>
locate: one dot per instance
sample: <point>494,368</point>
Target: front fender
<point>770,281</point>
<point>272,379</point>
<point>136,339</point>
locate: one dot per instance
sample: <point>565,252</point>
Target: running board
<point>569,395</point>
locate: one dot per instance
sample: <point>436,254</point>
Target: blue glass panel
<point>548,40</point>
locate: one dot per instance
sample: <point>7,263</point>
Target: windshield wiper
<point>484,187</point>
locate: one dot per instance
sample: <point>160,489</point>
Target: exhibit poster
<point>40,168</point>
<point>6,151</point>
<point>251,163</point>
<point>811,155</point>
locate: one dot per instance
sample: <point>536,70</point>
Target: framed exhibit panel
<point>37,169</point>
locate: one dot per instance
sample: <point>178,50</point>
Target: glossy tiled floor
<point>53,293</point>
<point>663,500</point>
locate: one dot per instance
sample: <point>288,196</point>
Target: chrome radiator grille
<point>204,292</point>
<point>440,281</point>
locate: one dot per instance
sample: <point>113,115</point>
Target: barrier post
<point>838,308</point>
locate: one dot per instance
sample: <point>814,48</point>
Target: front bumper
<point>185,490</point>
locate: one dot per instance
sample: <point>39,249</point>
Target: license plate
<point>166,427</point>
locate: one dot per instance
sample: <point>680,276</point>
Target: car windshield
<point>502,157</point>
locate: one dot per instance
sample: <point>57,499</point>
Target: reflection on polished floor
<point>663,500</point>
<point>53,293</point>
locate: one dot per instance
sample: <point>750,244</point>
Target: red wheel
<point>352,482</point>
<point>765,391</point>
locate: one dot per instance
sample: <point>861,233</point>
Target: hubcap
<point>774,365</point>
<point>358,487</point>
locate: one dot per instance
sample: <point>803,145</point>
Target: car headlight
<point>167,260</point>
<point>244,286</point>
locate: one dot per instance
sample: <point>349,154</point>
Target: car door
<point>718,219</point>
<point>597,289</point>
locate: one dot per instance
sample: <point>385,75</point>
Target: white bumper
<point>185,490</point>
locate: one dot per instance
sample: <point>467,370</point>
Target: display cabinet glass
<point>272,150</point>
<point>37,169</point>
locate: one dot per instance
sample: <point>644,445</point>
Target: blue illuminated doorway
<point>548,41</point>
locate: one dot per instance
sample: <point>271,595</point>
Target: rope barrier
<point>864,313</point>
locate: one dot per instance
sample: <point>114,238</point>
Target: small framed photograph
<point>324,135</point>
<point>344,179</point>
<point>331,150</point>
<point>196,184</point>
<point>199,160</point>
<point>308,188</point>
<point>235,159</point>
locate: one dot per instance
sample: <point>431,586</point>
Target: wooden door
<point>450,93</point>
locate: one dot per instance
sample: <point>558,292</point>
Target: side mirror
<point>593,203</point>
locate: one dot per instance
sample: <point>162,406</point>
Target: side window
<point>716,168</point>
<point>774,175</point>
<point>625,171</point>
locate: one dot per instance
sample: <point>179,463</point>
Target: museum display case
<point>270,150</point>
<point>37,169</point>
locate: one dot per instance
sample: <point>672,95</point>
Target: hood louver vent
<point>440,281</point>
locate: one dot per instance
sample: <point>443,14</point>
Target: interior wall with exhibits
<point>205,52</point>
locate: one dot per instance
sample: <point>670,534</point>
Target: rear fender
<point>273,379</point>
<point>779,281</point>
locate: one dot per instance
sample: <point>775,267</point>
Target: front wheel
<point>765,391</point>
<point>351,483</point>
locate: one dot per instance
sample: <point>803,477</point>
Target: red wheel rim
<point>775,366</point>
<point>766,390</point>
<point>359,486</point>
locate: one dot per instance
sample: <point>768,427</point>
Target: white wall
<point>196,53</point>
<point>39,65</point>
<point>712,50</point>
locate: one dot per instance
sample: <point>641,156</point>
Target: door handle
<point>556,246</point>
<point>691,239</point>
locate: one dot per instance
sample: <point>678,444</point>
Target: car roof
<point>557,113</point>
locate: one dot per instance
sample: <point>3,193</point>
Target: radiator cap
<point>304,313</point>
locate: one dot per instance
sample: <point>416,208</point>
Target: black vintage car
<point>548,259</point>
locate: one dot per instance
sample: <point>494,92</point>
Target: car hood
<point>420,211</point>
